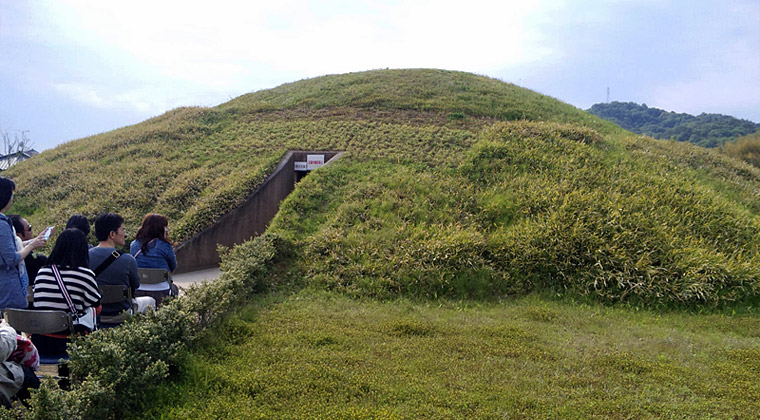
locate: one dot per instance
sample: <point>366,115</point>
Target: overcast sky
<point>73,68</point>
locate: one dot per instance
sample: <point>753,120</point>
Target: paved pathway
<point>186,279</point>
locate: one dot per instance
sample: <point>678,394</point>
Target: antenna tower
<point>608,94</point>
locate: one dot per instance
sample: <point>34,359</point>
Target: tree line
<point>706,130</point>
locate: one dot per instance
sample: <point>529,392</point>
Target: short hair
<point>16,220</point>
<point>70,250</point>
<point>107,223</point>
<point>6,191</point>
<point>80,222</point>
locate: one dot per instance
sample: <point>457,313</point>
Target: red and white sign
<point>314,161</point>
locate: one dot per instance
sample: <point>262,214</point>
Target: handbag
<point>88,318</point>
<point>26,353</point>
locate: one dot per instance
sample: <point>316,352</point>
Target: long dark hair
<point>70,250</point>
<point>153,227</point>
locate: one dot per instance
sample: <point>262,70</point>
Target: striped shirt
<point>79,282</point>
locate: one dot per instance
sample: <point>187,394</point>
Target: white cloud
<point>142,100</point>
<point>725,92</point>
<point>725,78</point>
<point>210,51</point>
<point>82,93</point>
<point>151,56</point>
<point>216,44</point>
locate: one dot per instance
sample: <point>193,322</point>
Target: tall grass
<point>531,206</point>
<point>455,93</point>
<point>746,148</point>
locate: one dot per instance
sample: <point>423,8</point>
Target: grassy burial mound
<point>194,164</point>
<point>454,185</point>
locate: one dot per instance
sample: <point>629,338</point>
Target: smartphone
<point>48,231</point>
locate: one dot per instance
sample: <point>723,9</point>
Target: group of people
<point>68,278</point>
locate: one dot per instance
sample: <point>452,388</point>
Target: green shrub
<point>113,370</point>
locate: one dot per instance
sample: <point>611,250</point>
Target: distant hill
<point>706,130</point>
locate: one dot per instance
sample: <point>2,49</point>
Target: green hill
<point>454,185</point>
<point>706,130</point>
<point>193,164</point>
<point>457,194</point>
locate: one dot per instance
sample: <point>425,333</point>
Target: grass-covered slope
<point>455,94</point>
<point>745,148</point>
<point>532,206</point>
<point>454,185</point>
<point>194,164</point>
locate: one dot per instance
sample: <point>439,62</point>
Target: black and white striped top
<point>79,281</point>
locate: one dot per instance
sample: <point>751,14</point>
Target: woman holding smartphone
<point>24,235</point>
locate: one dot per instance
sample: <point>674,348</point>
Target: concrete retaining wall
<point>248,220</point>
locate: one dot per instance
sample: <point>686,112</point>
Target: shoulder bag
<point>88,319</point>
<point>102,267</point>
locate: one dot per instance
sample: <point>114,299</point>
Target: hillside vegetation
<point>746,148</point>
<point>194,164</point>
<point>706,130</point>
<point>457,194</point>
<point>454,185</point>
